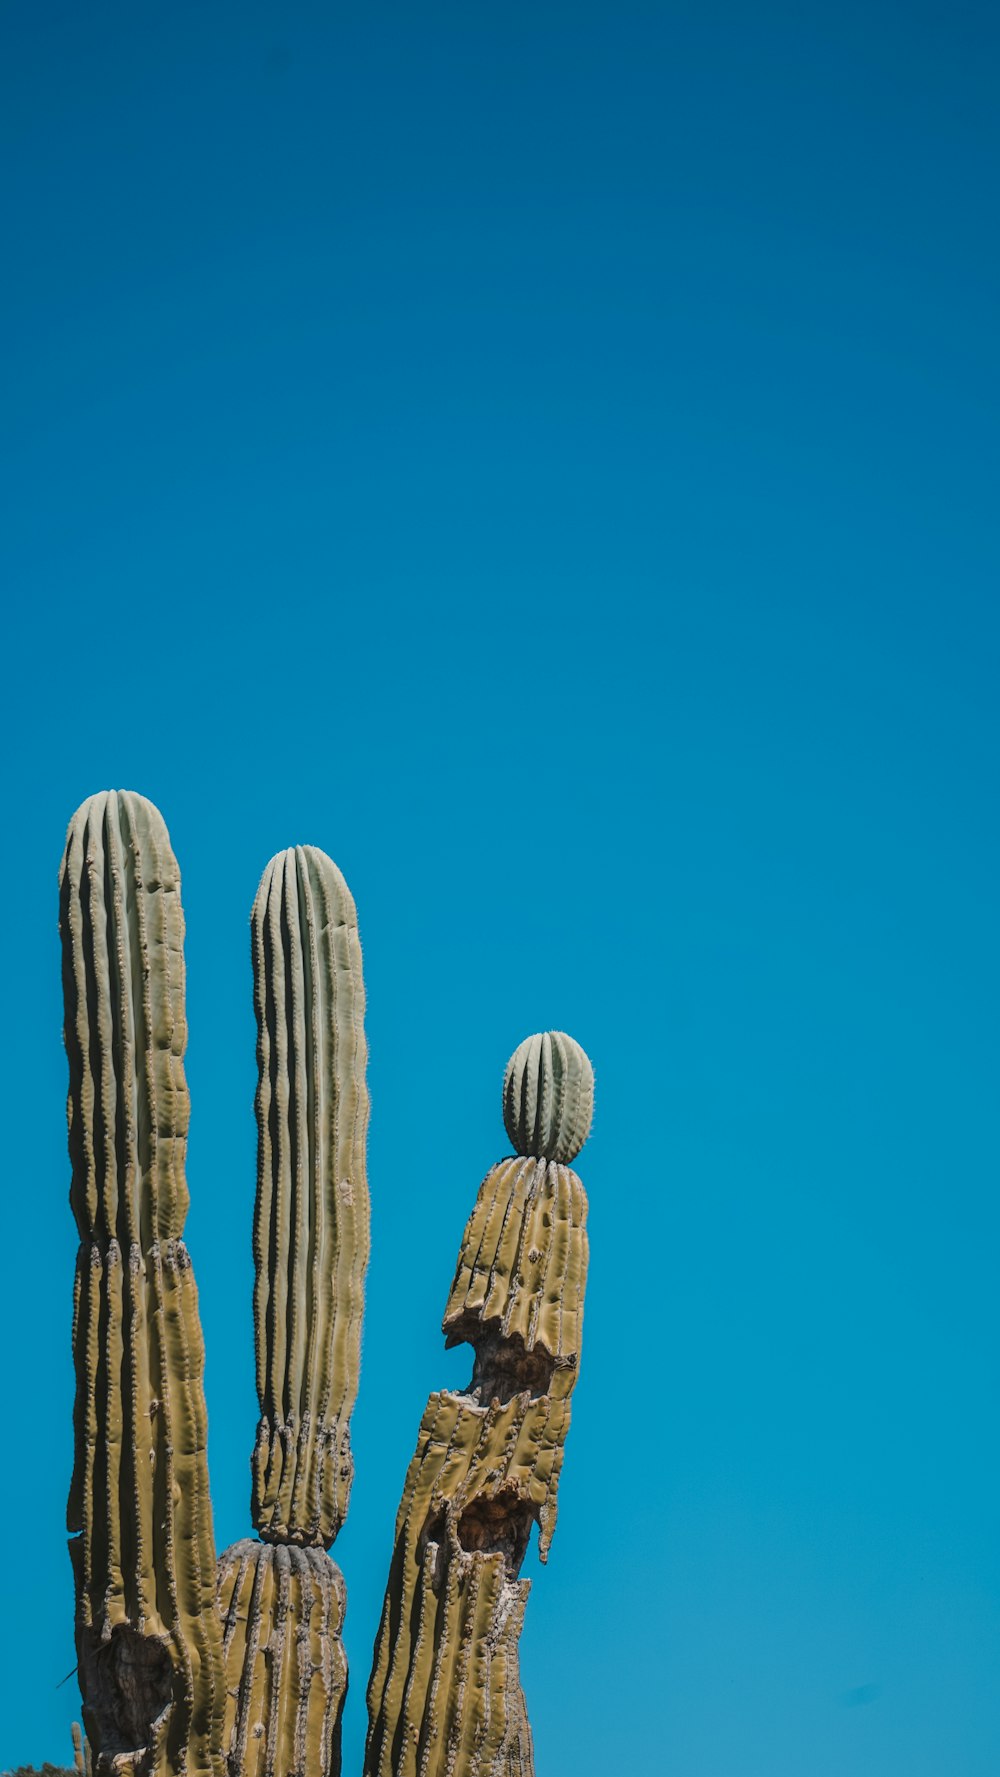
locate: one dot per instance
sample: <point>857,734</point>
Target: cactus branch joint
<point>235,1666</point>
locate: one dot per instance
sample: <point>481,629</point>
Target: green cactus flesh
<point>548,1097</point>
<point>282,1609</point>
<point>312,1212</point>
<point>445,1696</point>
<point>148,1636</point>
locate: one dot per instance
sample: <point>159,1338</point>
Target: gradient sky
<point>547,456</point>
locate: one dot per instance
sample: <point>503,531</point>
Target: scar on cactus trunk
<point>282,1599</point>
<point>148,1637</point>
<point>445,1698</point>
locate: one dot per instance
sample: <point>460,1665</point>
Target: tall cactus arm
<point>312,1211</point>
<point>445,1697</point>
<point>282,1599</point>
<point>148,1638</point>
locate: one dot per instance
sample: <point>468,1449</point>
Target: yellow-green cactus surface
<point>148,1636</point>
<point>445,1697</point>
<point>312,1211</point>
<point>522,1265</point>
<point>286,1673</point>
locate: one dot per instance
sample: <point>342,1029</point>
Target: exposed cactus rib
<point>311,1219</point>
<point>444,1699</point>
<point>282,1610</point>
<point>148,1639</point>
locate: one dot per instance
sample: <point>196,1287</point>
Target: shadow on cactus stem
<point>128,1681</point>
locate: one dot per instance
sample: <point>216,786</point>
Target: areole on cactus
<point>243,1672</point>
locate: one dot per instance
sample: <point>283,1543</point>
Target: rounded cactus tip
<point>548,1097</point>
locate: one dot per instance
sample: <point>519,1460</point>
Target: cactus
<point>188,1670</point>
<point>282,1599</point>
<point>148,1638</point>
<point>445,1697</point>
<point>82,1761</point>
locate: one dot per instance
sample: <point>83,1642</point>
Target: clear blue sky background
<point>547,456</point>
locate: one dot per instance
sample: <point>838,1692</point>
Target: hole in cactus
<point>127,1684</point>
<point>503,1367</point>
<point>498,1525</point>
<point>492,1524</point>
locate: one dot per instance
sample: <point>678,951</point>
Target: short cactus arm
<point>148,1638</point>
<point>445,1698</point>
<point>282,1612</point>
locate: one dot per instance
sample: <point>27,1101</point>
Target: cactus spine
<point>445,1699</point>
<point>148,1638</point>
<point>282,1599</point>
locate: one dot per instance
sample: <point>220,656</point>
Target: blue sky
<point>547,456</point>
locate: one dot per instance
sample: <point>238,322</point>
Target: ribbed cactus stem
<point>148,1638</point>
<point>445,1697</point>
<point>282,1599</point>
<point>82,1761</point>
<point>282,1611</point>
<point>312,1212</point>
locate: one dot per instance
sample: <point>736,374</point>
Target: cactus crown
<point>548,1097</point>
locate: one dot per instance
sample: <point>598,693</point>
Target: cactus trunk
<point>148,1638</point>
